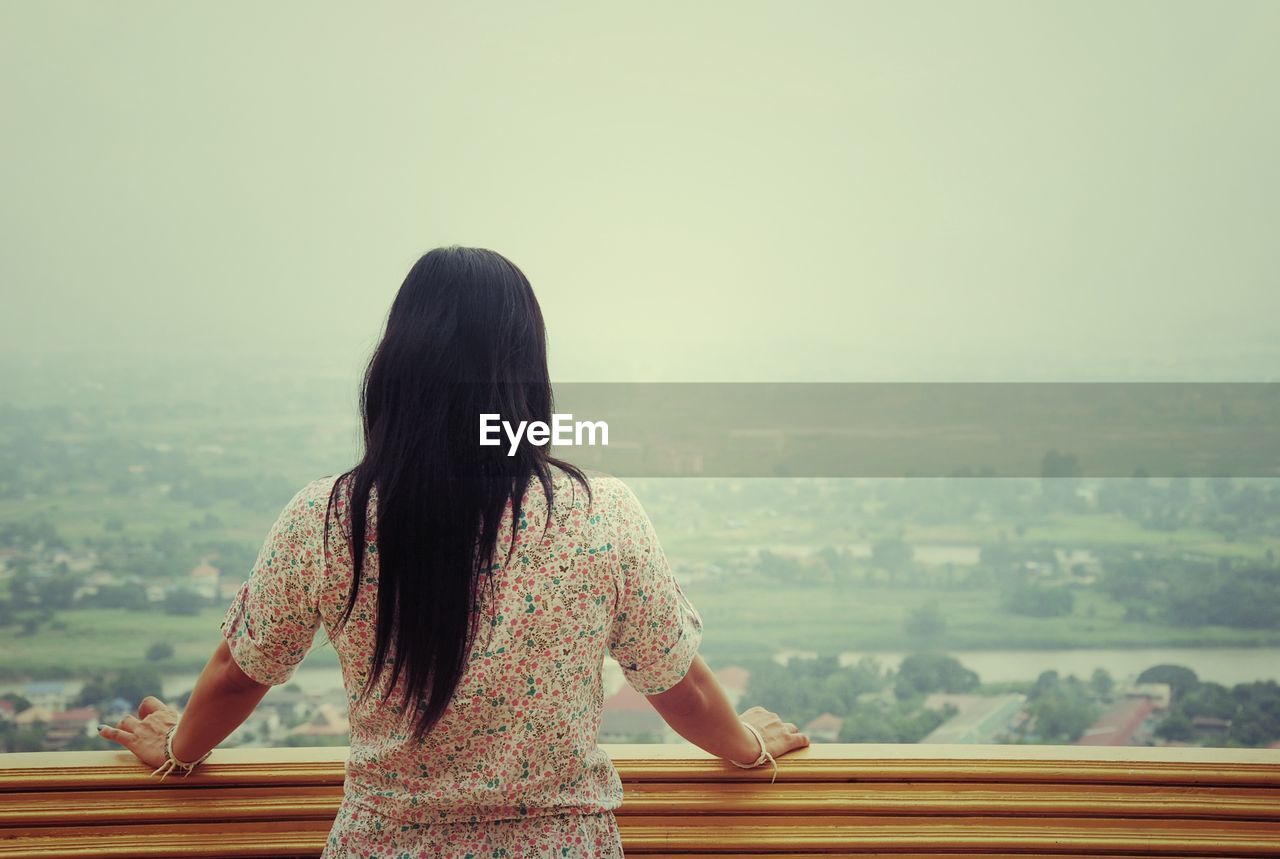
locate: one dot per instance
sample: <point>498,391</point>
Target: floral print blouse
<point>512,768</point>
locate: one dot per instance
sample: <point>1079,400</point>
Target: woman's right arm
<point>698,709</point>
<point>655,637</point>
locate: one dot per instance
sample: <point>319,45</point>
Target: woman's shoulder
<point>608,494</point>
<point>310,504</point>
<point>318,491</point>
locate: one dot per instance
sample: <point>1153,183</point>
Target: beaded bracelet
<point>764,753</point>
<point>173,763</point>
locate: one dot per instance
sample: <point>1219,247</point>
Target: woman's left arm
<point>265,635</point>
<point>223,698</point>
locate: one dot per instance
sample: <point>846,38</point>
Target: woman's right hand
<point>779,737</point>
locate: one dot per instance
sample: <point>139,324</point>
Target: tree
<point>1176,726</point>
<point>1058,465</point>
<point>1062,713</point>
<point>120,596</point>
<point>1209,699</point>
<point>22,588</point>
<point>1038,600</point>
<point>875,723</point>
<point>1102,683</point>
<point>56,591</point>
<point>925,624</point>
<point>893,555</point>
<point>922,673</point>
<point>160,651</point>
<point>183,601</point>
<point>131,684</point>
<point>19,703</point>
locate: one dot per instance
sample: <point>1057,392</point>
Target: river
<point>1225,665</point>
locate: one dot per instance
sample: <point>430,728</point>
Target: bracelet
<point>764,753</point>
<point>173,763</point>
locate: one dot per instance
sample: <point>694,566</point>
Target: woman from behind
<point>472,616</point>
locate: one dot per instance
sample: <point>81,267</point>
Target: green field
<point>754,620</point>
<point>90,641</point>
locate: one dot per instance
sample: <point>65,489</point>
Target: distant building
<point>1159,694</point>
<point>1127,723</point>
<point>628,716</point>
<point>69,725</point>
<point>33,716</point>
<point>292,704</point>
<point>115,710</point>
<point>824,728</point>
<point>53,695</point>
<point>204,579</point>
<point>979,718</point>
<point>326,722</point>
<point>1211,724</point>
<point>260,729</point>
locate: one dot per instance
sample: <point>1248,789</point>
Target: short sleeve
<point>656,630</point>
<point>273,619</point>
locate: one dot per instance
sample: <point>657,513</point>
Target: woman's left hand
<point>144,734</point>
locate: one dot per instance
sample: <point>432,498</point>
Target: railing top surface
<point>626,752</point>
<point>636,763</point>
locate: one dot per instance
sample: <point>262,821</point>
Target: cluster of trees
<point>34,531</point>
<point>1062,707</point>
<point>1205,713</point>
<point>876,705</point>
<point>904,718</point>
<point>1196,591</point>
<point>892,564</point>
<point>33,595</point>
<point>1228,506</point>
<point>1038,600</point>
<point>131,684</point>
<point>806,688</point>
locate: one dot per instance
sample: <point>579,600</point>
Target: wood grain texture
<point>829,800</point>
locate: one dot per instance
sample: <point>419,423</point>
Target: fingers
<point>149,705</point>
<point>115,735</point>
<point>129,723</point>
<point>782,737</point>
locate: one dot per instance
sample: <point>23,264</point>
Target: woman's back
<point>495,630</point>
<point>518,739</point>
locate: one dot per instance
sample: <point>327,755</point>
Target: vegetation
<point>108,507</point>
<point>1247,714</point>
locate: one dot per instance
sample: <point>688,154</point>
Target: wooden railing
<point>850,800</point>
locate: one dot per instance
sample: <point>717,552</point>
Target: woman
<point>472,619</point>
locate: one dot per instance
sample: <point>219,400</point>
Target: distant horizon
<point>1230,363</point>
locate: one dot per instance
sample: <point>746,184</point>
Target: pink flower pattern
<point>513,768</point>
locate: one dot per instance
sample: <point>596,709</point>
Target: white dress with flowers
<point>512,769</point>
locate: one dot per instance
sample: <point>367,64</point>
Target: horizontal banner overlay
<point>1054,430</point>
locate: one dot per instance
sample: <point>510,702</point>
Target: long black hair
<point>464,337</point>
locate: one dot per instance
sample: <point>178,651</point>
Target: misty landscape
<point>1053,609</point>
<point>209,210</point>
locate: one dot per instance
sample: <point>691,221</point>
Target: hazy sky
<point>701,190</point>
